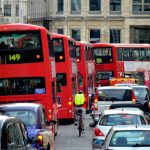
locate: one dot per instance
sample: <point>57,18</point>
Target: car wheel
<point>48,147</point>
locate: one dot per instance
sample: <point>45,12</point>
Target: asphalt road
<point>68,139</point>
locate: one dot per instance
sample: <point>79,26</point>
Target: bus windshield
<point>20,47</point>
<point>103,55</point>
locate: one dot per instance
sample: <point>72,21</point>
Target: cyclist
<point>79,104</point>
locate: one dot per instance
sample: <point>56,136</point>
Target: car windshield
<point>121,119</point>
<point>141,94</point>
<point>27,116</point>
<point>129,138</point>
<point>115,95</point>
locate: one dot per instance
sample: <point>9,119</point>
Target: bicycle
<point>79,121</point>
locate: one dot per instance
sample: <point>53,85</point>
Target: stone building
<point>113,21</point>
<point>14,11</point>
<point>1,16</point>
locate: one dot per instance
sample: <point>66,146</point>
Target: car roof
<point>131,127</point>
<point>125,84</point>
<point>12,106</point>
<point>134,111</point>
<point>3,118</point>
<point>139,86</point>
<point>113,87</point>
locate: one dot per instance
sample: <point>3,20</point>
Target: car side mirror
<point>33,140</point>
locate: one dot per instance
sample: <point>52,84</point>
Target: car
<point>111,117</point>
<point>34,117</point>
<point>142,93</point>
<point>131,137</point>
<point>107,95</point>
<point>13,134</point>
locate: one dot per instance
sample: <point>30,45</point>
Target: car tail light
<point>40,139</point>
<point>98,132</point>
<point>49,117</point>
<point>96,104</point>
<point>148,105</point>
<point>133,98</point>
<point>95,100</point>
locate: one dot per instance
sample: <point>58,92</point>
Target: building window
<point>142,35</point>
<point>115,5</point>
<point>7,10</point>
<point>141,6</point>
<point>76,34</point>
<point>60,5</point>
<point>76,5</point>
<point>17,10</point>
<point>114,36</point>
<point>94,36</point>
<point>60,31</point>
<point>95,5</point>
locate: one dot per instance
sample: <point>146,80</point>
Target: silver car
<point>119,116</point>
<point>129,137</point>
<point>107,95</point>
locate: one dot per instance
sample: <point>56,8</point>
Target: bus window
<point>58,87</point>
<point>103,55</point>
<point>72,49</point>
<point>61,78</point>
<point>59,50</point>
<point>22,47</point>
<point>20,86</point>
<point>50,47</point>
<point>74,86</point>
<point>53,92</point>
<point>80,80</point>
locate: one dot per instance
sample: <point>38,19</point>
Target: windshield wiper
<point>140,145</point>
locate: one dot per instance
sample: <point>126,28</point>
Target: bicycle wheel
<point>80,126</point>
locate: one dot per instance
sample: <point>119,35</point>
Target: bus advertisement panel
<point>66,72</point>
<point>86,70</point>
<point>27,67</point>
<point>122,60</point>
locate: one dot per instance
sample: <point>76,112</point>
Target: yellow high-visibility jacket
<point>79,99</point>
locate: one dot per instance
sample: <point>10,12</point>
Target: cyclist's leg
<point>83,118</point>
<point>75,115</point>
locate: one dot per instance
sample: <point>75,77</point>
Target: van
<point>108,95</point>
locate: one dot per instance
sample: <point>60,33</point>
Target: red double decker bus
<point>66,72</point>
<point>27,67</point>
<point>122,60</point>
<point>86,69</point>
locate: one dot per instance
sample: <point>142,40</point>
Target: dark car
<point>13,134</point>
<point>141,92</point>
<point>34,117</point>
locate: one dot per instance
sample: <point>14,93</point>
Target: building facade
<point>113,21</point>
<point>1,16</point>
<point>14,11</point>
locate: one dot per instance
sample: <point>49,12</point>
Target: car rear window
<point>27,116</point>
<point>130,138</point>
<point>115,95</point>
<point>141,93</point>
<point>121,119</point>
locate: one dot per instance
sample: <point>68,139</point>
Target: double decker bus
<point>86,69</point>
<point>122,60</point>
<point>66,72</point>
<point>27,67</point>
